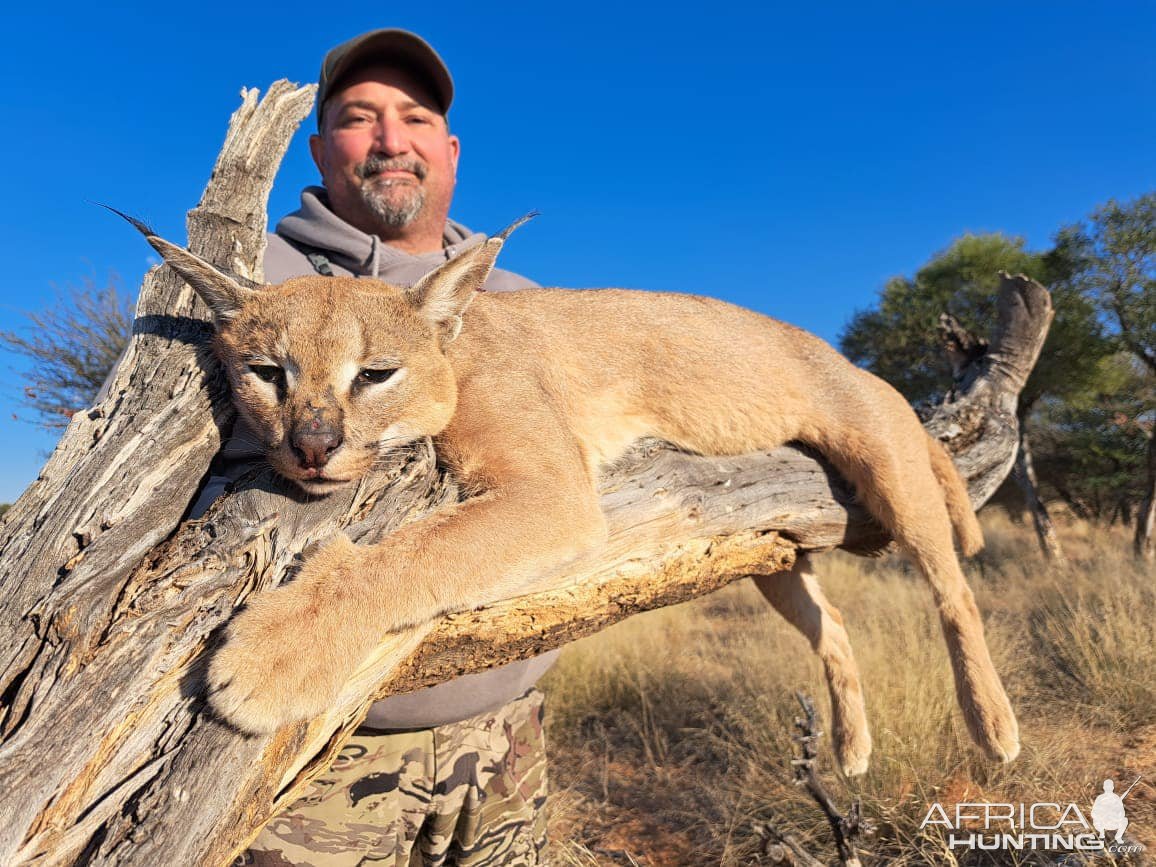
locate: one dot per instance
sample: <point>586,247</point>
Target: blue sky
<point>786,157</point>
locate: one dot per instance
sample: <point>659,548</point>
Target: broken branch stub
<point>110,603</point>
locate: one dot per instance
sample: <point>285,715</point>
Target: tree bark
<point>1025,476</point>
<point>111,603</point>
<point>1144,542</point>
<point>1122,512</point>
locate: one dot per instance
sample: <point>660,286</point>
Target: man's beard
<point>395,202</point>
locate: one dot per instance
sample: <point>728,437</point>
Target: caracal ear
<point>224,294</point>
<point>443,295</point>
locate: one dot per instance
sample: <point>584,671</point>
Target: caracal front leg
<point>288,654</point>
<point>798,597</point>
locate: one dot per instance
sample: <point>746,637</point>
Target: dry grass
<point>670,733</point>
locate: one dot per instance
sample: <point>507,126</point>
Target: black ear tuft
<point>143,228</point>
<point>521,221</point>
<point>224,293</point>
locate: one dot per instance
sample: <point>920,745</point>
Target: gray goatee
<point>395,202</point>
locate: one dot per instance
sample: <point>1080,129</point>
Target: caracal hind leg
<point>986,708</point>
<point>888,463</point>
<point>797,596</point>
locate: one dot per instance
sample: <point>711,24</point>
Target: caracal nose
<point>314,443</point>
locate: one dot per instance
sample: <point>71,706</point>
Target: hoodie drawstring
<point>375,256</point>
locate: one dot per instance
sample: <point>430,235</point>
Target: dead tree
<point>962,349</point>
<point>111,603</point>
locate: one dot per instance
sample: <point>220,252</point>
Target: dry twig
<point>847,829</point>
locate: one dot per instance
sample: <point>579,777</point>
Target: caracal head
<point>332,372</point>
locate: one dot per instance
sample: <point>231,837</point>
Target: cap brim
<point>395,48</point>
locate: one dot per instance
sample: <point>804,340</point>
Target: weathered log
<point>107,752</point>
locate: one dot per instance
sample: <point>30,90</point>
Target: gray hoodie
<point>315,231</point>
<point>351,252</point>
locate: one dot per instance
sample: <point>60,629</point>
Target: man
<point>454,774</point>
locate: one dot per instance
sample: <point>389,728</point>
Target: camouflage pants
<point>470,793</point>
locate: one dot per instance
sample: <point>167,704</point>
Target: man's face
<point>386,156</point>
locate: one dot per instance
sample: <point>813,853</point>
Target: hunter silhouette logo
<point>1044,825</point>
<point>1108,811</point>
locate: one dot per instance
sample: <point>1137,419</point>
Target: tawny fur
<point>527,395</point>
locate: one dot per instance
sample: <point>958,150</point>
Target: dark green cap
<point>395,48</point>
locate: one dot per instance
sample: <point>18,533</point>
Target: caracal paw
<point>853,750</point>
<point>286,656</point>
<point>1002,741</point>
<point>993,727</point>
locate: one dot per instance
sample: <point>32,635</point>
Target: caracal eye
<point>374,375</point>
<point>268,372</point>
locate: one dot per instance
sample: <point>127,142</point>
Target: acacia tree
<point>1091,450</point>
<point>899,340</point>
<point>72,346</point>
<point>1114,255</point>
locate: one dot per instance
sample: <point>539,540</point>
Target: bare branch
<point>847,829</point>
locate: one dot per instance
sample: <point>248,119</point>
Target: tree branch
<point>846,829</point>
